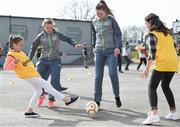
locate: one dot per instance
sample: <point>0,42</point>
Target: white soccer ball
<point>91,107</point>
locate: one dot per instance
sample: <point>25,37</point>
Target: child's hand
<point>64,54</point>
<point>116,51</point>
<point>77,46</point>
<point>144,74</point>
<point>16,60</point>
<point>94,50</point>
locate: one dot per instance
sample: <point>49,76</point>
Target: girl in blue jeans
<point>107,42</point>
<point>50,59</point>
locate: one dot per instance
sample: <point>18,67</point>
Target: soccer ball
<point>91,107</point>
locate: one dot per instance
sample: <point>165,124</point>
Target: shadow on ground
<point>124,116</point>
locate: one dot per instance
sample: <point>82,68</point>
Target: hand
<point>16,60</point>
<point>64,54</point>
<point>116,51</point>
<point>77,46</point>
<point>144,74</point>
<point>94,50</point>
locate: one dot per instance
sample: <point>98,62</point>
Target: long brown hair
<point>103,6</point>
<point>157,24</point>
<point>14,39</point>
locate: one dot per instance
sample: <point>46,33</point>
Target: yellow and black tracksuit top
<point>25,68</point>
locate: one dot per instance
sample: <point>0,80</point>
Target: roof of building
<point>56,19</point>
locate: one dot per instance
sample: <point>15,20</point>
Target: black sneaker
<point>121,71</point>
<point>118,102</point>
<point>126,69</point>
<point>86,67</point>
<point>31,115</point>
<point>73,99</point>
<point>98,103</point>
<point>63,89</point>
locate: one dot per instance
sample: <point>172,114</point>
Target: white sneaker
<point>151,119</point>
<point>172,116</point>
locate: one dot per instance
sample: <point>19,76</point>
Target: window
<point>20,29</point>
<point>74,33</point>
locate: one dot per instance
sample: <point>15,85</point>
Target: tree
<point>79,10</point>
<point>125,35</point>
<point>134,33</point>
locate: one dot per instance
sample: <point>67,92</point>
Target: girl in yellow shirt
<point>18,61</point>
<point>163,52</point>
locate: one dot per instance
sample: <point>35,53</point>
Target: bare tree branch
<point>79,10</point>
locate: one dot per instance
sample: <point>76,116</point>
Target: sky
<point>127,12</point>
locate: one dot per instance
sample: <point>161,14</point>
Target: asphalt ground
<point>15,94</point>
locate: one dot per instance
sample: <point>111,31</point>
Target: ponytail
<point>103,6</point>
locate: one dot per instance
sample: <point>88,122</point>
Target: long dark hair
<point>14,39</point>
<point>157,24</point>
<point>103,6</point>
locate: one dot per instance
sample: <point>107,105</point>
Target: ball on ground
<point>91,108</point>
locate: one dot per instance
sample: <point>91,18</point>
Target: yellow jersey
<point>25,68</point>
<point>166,55</point>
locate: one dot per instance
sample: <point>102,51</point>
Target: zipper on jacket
<point>50,45</point>
<point>102,38</point>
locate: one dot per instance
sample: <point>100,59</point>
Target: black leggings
<point>165,78</point>
<point>141,61</point>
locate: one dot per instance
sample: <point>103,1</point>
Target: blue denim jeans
<point>50,67</point>
<point>101,57</point>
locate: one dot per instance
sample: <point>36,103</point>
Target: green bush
<point>134,55</point>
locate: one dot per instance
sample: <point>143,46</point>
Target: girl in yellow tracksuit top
<point>18,61</point>
<point>162,51</point>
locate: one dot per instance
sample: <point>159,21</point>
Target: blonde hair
<point>48,21</point>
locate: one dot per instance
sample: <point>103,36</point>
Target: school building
<point>176,31</point>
